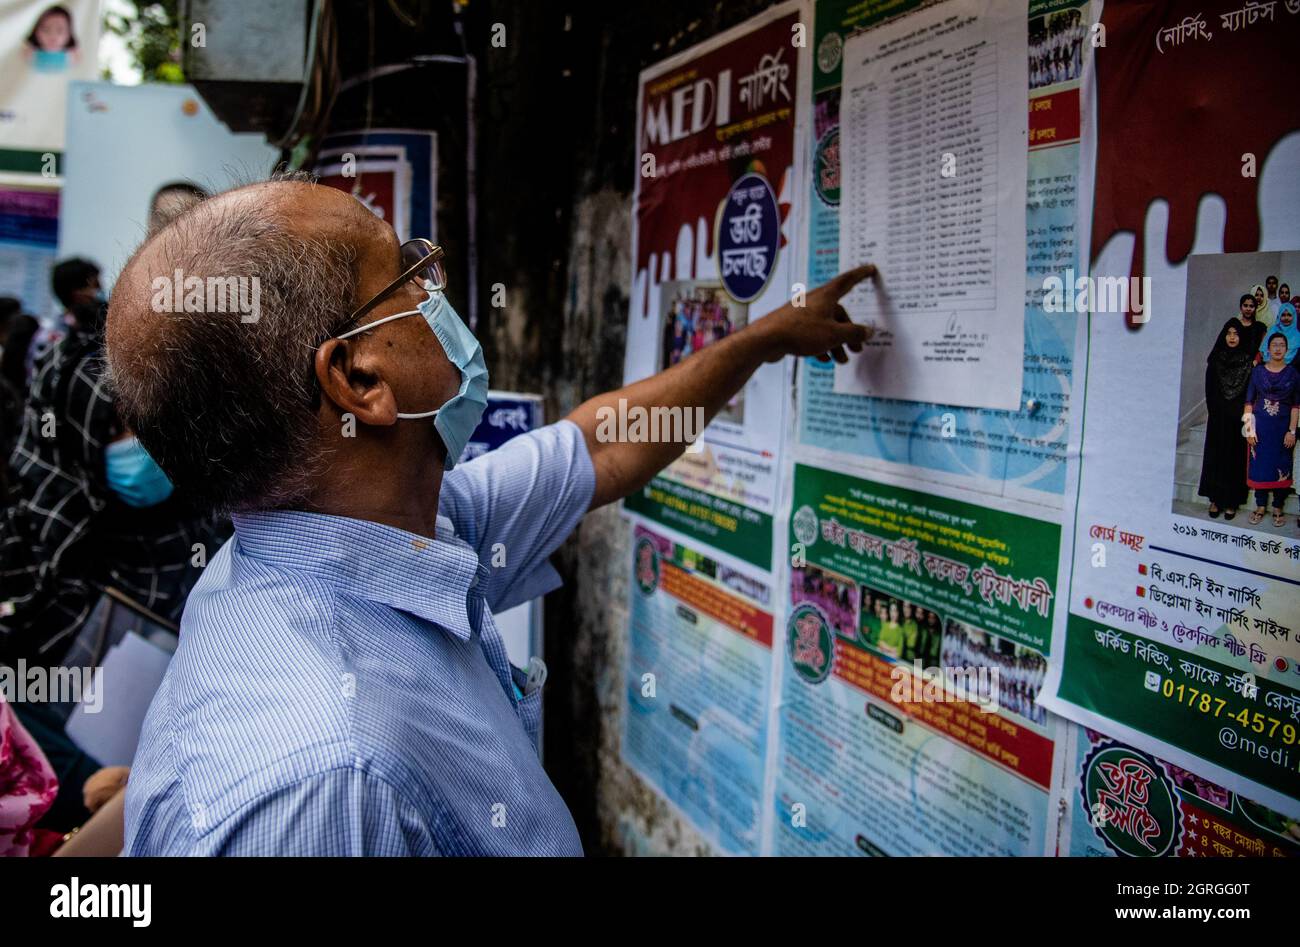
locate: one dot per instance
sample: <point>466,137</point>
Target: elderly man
<point>340,686</point>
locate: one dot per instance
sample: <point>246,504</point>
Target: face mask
<point>456,420</point>
<point>133,475</point>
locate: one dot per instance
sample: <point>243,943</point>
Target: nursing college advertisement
<point>717,206</point>
<point>1180,627</point>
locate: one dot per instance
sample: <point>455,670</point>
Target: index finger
<point>841,285</point>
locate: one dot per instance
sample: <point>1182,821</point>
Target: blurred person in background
<point>27,790</point>
<point>87,508</point>
<point>172,200</point>
<point>76,286</point>
<point>17,329</point>
<point>9,308</point>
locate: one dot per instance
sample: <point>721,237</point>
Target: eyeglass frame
<point>435,255</point>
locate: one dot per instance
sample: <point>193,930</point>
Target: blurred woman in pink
<point>27,790</point>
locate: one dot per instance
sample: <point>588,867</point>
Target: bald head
<point>212,328</point>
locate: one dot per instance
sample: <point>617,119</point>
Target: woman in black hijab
<point>1223,463</point>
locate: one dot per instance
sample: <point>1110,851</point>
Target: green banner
<point>985,567</point>
<point>29,162</point>
<point>835,21</point>
<point>736,529</point>
<point>1248,726</point>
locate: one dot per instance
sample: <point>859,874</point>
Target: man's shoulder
<point>261,694</point>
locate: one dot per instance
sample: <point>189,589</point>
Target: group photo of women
<point>900,629</point>
<point>1252,401</point>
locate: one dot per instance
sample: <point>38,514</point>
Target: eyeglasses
<point>421,264</point>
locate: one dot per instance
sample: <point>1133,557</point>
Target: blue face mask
<point>133,475</point>
<point>456,420</point>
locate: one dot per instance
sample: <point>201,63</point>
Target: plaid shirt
<point>63,534</point>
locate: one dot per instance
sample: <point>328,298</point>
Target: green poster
<point>1245,724</point>
<point>985,567</point>
<point>739,530</point>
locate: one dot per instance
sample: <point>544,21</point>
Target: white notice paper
<point>934,138</point>
<point>108,728</point>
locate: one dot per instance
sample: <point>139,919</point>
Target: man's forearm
<point>625,429</point>
<point>698,386</point>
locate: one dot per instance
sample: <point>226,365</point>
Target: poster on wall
<point>915,643</point>
<point>1180,627</point>
<point>393,171</point>
<point>29,233</point>
<point>1020,452</point>
<point>1126,803</point>
<point>112,186</point>
<point>698,678</point>
<point>933,136</point>
<point>717,205</point>
<point>42,47</point>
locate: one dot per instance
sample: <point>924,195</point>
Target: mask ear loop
<point>379,322</point>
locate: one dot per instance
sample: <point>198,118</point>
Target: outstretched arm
<point>708,379</point>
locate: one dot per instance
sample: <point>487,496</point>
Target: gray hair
<point>228,407</point>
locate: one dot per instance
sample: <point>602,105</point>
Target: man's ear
<point>351,380</point>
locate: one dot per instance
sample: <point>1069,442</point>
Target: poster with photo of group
<point>1065,626</point>
<point>717,204</point>
<point>915,644</point>
<point>1180,629</point>
<point>698,675</point>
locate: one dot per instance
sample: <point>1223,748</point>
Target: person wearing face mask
<point>340,686</point>
<point>86,509</point>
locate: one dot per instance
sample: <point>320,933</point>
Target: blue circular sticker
<point>749,235</point>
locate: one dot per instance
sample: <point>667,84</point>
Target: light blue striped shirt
<point>341,688</point>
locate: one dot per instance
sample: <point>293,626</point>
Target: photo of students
<point>695,315</point>
<point>898,628</point>
<point>1056,48</point>
<point>1216,469</point>
<point>1020,670</point>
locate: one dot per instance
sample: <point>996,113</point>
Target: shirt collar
<point>430,578</point>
